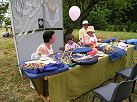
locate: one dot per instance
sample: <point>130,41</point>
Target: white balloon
<point>74,13</point>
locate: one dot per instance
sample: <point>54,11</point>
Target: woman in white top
<point>46,47</point>
<point>90,38</point>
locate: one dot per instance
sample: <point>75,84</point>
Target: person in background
<point>90,39</point>
<point>83,30</point>
<point>45,49</point>
<point>70,43</point>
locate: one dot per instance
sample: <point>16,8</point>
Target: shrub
<point>7,21</point>
<point>131,26</point>
<point>99,18</point>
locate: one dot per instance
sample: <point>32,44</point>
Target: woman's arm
<point>95,38</point>
<point>86,41</point>
<point>66,47</point>
<point>43,50</point>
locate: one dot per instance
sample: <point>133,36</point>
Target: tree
<point>85,5</point>
<point>102,13</point>
<point>131,12</point>
<point>3,10</point>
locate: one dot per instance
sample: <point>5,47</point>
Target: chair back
<point>33,56</point>
<point>122,91</point>
<point>134,72</point>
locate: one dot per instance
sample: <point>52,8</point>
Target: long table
<point>68,85</point>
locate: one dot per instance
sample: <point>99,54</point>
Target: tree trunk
<point>70,29</point>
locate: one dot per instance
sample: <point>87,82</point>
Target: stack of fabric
<point>109,40</point>
<point>116,53</point>
<point>50,69</point>
<point>113,52</point>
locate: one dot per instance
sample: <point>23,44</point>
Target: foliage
<point>131,13</point>
<point>99,18</point>
<point>3,10</point>
<point>86,6</point>
<point>131,26</point>
<point>113,15</point>
<point>7,21</point>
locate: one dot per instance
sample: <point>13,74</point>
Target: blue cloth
<point>82,50</point>
<point>116,53</point>
<point>112,39</point>
<point>106,41</point>
<point>48,70</point>
<point>58,55</point>
<point>33,71</point>
<point>109,40</point>
<point>132,42</point>
<point>101,48</point>
<point>53,66</point>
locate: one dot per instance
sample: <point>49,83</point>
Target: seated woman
<point>45,49</point>
<point>70,43</point>
<point>90,38</point>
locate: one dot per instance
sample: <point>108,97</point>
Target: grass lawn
<point>13,88</point>
<point>108,34</point>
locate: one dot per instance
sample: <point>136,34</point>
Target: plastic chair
<point>128,74</point>
<point>114,92</point>
<point>32,58</point>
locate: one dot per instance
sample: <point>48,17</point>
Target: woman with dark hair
<point>45,49</point>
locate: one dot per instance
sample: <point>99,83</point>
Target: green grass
<point>107,35</point>
<point>13,88</point>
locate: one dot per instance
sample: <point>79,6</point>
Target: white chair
<point>32,58</point>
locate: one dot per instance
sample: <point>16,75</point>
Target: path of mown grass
<point>15,89</point>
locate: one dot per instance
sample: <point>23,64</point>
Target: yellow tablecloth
<point>70,84</point>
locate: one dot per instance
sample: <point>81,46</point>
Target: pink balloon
<point>74,13</point>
